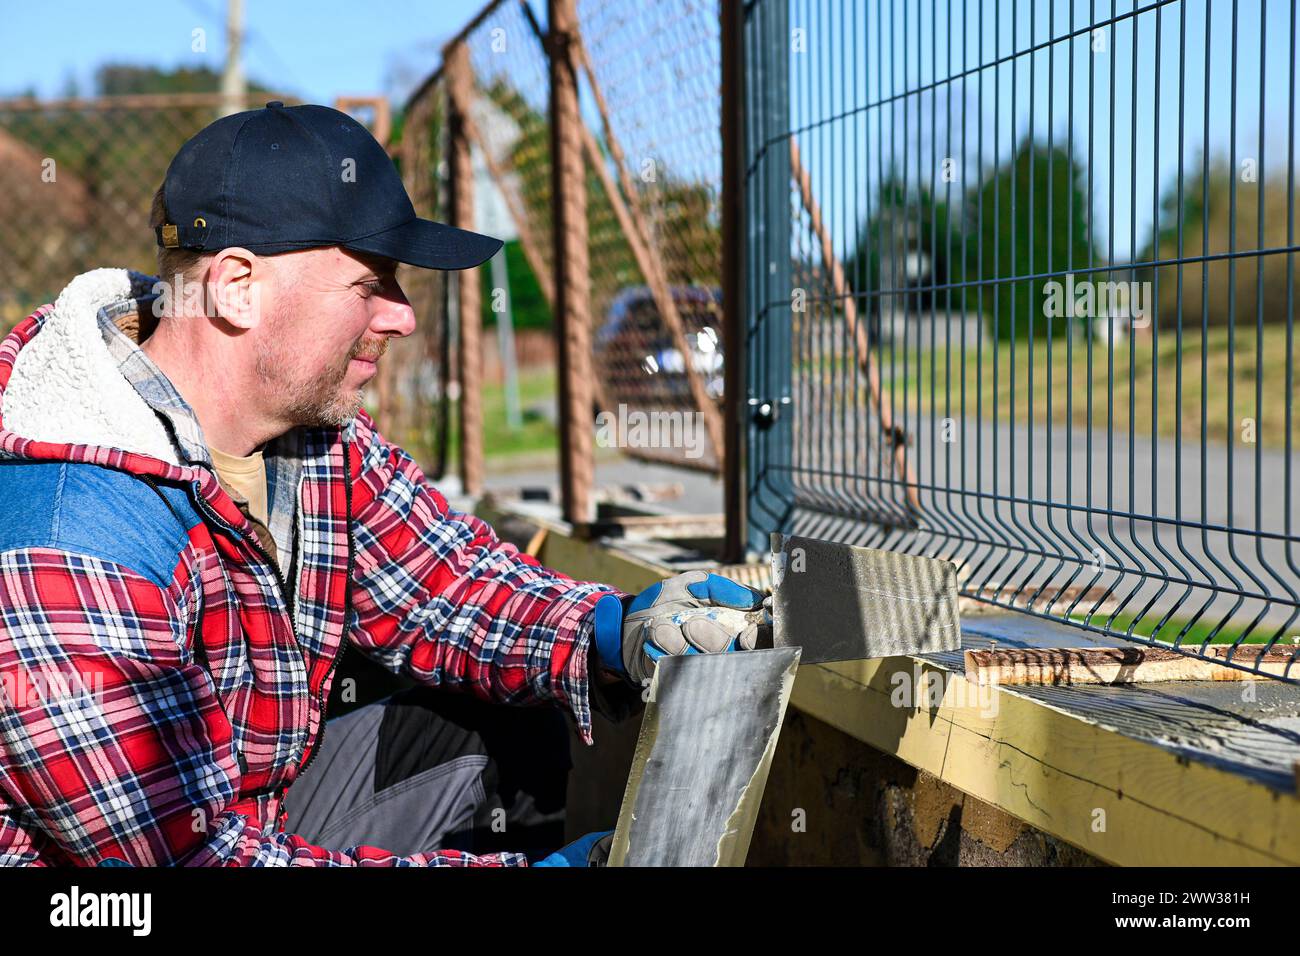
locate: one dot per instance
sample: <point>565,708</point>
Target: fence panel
<point>649,85</point>
<point>1040,308</point>
<point>653,96</point>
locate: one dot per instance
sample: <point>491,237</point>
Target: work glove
<point>591,850</point>
<point>691,613</point>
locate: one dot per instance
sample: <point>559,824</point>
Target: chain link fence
<point>650,147</point>
<point>77,178</point>
<point>652,98</point>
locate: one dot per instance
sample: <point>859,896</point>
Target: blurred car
<point>637,358</point>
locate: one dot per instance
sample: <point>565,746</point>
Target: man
<point>196,516</point>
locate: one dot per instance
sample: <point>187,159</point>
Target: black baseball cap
<point>284,178</point>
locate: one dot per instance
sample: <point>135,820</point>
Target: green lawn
<point>1197,634</point>
<point>535,436</point>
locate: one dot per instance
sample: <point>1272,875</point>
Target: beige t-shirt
<point>244,479</point>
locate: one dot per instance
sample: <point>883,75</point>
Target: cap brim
<point>429,245</point>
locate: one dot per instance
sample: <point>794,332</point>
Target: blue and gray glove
<point>691,613</point>
<point>590,850</point>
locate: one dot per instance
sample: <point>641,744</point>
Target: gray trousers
<point>424,770</point>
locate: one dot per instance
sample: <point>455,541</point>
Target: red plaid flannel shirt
<point>194,699</point>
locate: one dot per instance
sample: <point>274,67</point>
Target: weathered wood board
<point>707,737</point>
<point>1116,665</point>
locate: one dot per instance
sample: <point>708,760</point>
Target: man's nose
<point>393,314</point>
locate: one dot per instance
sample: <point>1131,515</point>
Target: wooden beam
<point>570,258</point>
<point>383,122</point>
<point>1056,770</point>
<point>467,280</point>
<point>735,249</point>
<point>866,358</point>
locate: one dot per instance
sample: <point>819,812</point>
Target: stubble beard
<point>316,399</point>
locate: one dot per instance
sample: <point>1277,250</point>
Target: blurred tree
<point>909,246</point>
<point>528,306</point>
<point>681,214</point>
<point>108,160</point>
<point>122,79</point>
<point>1013,233</point>
<point>687,230</point>
<point>1208,221</point>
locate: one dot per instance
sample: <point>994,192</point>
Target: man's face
<point>332,315</point>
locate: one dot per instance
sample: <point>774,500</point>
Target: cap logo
<point>169,237</point>
<point>200,222</point>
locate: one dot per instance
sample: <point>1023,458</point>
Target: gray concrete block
<point>842,603</point>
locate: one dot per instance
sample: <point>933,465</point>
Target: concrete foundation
<point>832,800</point>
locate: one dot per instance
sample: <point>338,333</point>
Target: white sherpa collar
<point>65,385</point>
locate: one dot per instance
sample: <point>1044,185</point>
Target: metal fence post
<point>734,251</point>
<point>456,58</point>
<point>768,314</point>
<point>572,276</point>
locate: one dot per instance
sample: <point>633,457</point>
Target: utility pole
<point>506,339</point>
<point>233,86</point>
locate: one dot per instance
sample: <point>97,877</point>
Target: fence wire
<point>652,103</point>
<point>649,86</point>
<point>1068,232</point>
<point>77,178</point>
<point>413,395</point>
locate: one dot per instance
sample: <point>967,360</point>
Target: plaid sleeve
<point>438,597</point>
<point>19,839</point>
<point>112,740</point>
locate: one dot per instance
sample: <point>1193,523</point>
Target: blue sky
<point>315,50</point>
<point>325,48</point>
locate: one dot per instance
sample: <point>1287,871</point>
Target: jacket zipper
<point>285,593</point>
<point>290,600</point>
<point>266,559</point>
<point>347,608</point>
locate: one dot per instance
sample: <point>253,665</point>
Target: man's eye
<point>372,287</point>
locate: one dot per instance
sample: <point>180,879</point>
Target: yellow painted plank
<point>1053,769</point>
<point>581,560</point>
<point>1123,800</point>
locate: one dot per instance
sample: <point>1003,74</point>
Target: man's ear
<point>235,280</point>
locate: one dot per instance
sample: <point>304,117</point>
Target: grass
<point>536,435</point>
<point>1197,634</point>
<point>998,377</point>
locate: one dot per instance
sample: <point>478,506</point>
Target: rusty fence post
<point>733,284</point>
<point>572,272</point>
<point>456,58</point>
